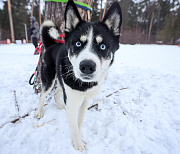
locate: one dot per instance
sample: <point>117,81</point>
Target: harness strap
<point>78,4</point>
<point>62,35</point>
<point>39,46</point>
<point>60,41</point>
<point>35,74</point>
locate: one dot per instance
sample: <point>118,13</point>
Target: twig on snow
<point>109,123</point>
<point>119,147</point>
<point>37,125</point>
<point>94,105</point>
<point>116,92</point>
<point>16,102</point>
<point>124,113</point>
<point>106,96</point>
<point>17,119</point>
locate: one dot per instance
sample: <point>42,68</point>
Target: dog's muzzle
<point>87,67</point>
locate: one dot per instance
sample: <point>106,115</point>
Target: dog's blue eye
<point>78,44</point>
<point>103,47</point>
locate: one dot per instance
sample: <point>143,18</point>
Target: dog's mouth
<point>86,77</point>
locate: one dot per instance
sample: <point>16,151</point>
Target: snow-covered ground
<point>142,116</point>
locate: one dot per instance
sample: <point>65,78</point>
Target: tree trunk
<point>11,21</point>
<point>100,12</point>
<point>55,11</point>
<point>39,12</point>
<point>32,8</point>
<point>104,10</point>
<point>150,27</point>
<point>173,23</point>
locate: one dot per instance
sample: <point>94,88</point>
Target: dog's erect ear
<point>72,17</point>
<point>113,18</point>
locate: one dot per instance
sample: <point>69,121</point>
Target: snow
<point>141,116</point>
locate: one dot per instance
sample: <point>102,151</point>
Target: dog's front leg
<point>74,101</point>
<point>57,97</point>
<point>82,112</point>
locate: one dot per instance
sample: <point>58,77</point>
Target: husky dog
<point>79,66</point>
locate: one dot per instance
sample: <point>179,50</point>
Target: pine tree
<point>127,8</point>
<point>20,16</point>
<point>36,11</point>
<point>4,24</point>
<point>177,25</point>
<point>163,10</point>
<point>170,29</point>
<point>5,18</point>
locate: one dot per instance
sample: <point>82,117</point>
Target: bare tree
<point>39,12</point>
<point>11,21</point>
<point>32,8</point>
<point>150,27</point>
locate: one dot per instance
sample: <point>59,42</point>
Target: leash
<point>39,48</point>
<point>78,4</point>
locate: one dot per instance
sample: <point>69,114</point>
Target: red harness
<point>60,41</point>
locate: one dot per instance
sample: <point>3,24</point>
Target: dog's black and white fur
<point>79,66</point>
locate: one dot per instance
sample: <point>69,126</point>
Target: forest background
<point>144,21</point>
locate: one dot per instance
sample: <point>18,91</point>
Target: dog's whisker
<point>69,75</point>
<point>69,71</point>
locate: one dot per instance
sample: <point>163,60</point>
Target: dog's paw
<point>39,113</point>
<point>79,146</point>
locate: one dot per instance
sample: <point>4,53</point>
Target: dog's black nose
<point>87,67</point>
